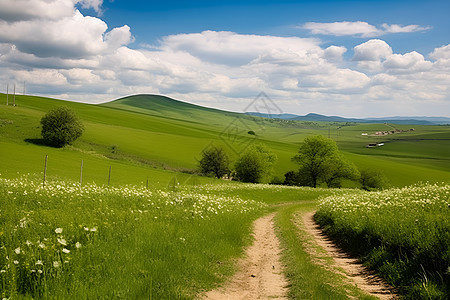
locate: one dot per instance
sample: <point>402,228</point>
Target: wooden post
<point>147,183</point>
<point>14,96</point>
<point>7,94</point>
<point>109,176</point>
<point>45,170</point>
<point>81,174</point>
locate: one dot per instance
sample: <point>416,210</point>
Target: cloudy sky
<point>349,58</point>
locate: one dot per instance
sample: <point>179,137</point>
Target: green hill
<point>157,137</point>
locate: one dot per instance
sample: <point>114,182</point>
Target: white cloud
<point>372,50</point>
<point>441,53</point>
<point>69,55</point>
<point>342,28</point>
<point>359,28</point>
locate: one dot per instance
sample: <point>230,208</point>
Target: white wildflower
<point>65,250</point>
<point>58,230</point>
<point>62,241</point>
<point>77,245</point>
<point>17,250</point>
<point>56,264</point>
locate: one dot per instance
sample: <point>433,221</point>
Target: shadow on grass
<point>39,142</point>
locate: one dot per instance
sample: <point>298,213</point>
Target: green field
<point>157,137</point>
<point>159,230</point>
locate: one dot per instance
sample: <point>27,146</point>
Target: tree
<point>61,126</point>
<point>255,164</point>
<point>214,161</point>
<point>372,179</point>
<point>320,161</point>
<point>339,169</point>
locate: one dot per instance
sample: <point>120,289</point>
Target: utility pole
<point>7,93</point>
<point>14,96</point>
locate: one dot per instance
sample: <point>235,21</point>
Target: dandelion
<point>58,230</point>
<point>56,264</point>
<point>17,250</point>
<point>65,250</point>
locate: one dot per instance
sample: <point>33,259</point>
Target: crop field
<point>402,233</point>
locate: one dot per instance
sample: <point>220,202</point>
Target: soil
<point>259,274</point>
<point>356,273</point>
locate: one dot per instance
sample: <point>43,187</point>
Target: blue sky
<point>348,58</point>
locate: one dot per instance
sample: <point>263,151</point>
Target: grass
<point>145,132</point>
<point>401,233</point>
<point>60,241</point>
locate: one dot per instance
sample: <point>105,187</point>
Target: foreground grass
<point>308,279</point>
<point>402,233</point>
<point>63,241</point>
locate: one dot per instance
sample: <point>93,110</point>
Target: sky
<point>372,58</point>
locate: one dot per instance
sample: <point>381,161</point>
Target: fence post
<point>45,170</point>
<point>147,183</point>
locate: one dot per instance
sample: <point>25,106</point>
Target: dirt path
<point>353,270</point>
<point>259,274</point>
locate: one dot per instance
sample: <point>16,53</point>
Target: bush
<point>60,127</point>
<point>255,165</point>
<point>373,180</point>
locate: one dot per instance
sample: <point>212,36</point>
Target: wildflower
<point>56,264</point>
<point>86,228</point>
<point>65,250</point>
<point>17,250</point>
<point>28,243</point>
<point>58,230</point>
<point>62,241</point>
<point>16,262</point>
<point>94,229</point>
<point>78,245</point>
<point>2,271</point>
<point>41,245</point>
<point>40,271</point>
<point>39,262</point>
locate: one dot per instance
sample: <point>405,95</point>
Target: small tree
<point>214,161</point>
<point>61,126</point>
<point>255,164</point>
<point>315,156</point>
<point>320,161</point>
<point>373,179</point>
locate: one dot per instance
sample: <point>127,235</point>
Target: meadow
<point>159,230</point>
<point>66,241</point>
<point>404,234</point>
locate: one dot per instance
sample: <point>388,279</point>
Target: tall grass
<point>63,241</point>
<point>402,233</point>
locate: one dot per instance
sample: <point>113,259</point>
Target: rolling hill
<point>161,138</point>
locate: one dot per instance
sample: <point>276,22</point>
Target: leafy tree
<point>61,126</point>
<point>255,164</point>
<point>321,161</point>
<point>373,179</point>
<point>339,169</point>
<point>214,161</point>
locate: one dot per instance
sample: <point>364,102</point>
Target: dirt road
<point>259,274</point>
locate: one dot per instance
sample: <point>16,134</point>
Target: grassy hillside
<point>158,137</point>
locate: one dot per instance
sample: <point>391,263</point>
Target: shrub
<point>60,127</point>
<point>214,161</point>
<point>255,165</point>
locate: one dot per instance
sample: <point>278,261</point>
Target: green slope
<point>155,136</point>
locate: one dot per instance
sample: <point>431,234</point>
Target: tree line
<point>319,159</point>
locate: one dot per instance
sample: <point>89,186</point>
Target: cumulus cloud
<point>69,55</point>
<point>372,50</point>
<point>358,28</point>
